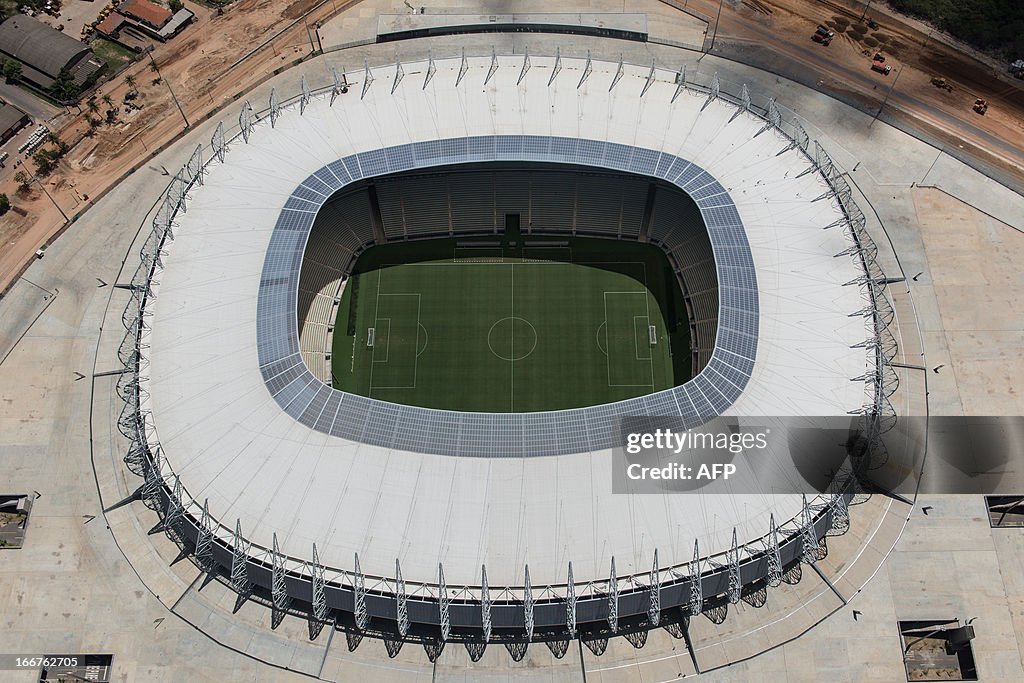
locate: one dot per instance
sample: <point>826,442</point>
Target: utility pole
<point>312,46</point>
<point>887,94</point>
<point>48,195</point>
<point>152,63</point>
<point>717,18</point>
<point>865,12</point>
<point>319,43</point>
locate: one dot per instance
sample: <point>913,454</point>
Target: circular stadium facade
<point>417,523</point>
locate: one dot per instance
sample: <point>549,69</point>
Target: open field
<point>506,325</point>
<point>113,54</point>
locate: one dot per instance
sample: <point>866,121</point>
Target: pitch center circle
<point>512,338</point>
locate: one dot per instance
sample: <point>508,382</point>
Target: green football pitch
<point>506,324</point>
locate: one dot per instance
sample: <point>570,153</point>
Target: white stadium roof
<point>230,442</point>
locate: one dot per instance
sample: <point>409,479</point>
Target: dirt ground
<point>202,67</point>
<point>925,55</point>
<point>917,53</point>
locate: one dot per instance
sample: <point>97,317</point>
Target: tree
<point>46,161</point>
<point>62,147</point>
<point>108,100</point>
<point>12,70</point>
<point>176,5</point>
<point>5,204</point>
<point>23,180</point>
<point>92,106</point>
<point>64,87</point>
<point>130,81</point>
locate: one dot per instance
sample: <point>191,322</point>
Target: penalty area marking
<point>374,360</point>
<point>636,342</point>
<point>387,341</point>
<point>637,336</point>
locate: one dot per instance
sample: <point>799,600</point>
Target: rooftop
<point>146,11</point>
<point>225,435</point>
<point>10,116</point>
<point>38,46</point>
<point>110,24</point>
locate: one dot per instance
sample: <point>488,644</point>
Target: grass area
<point>513,325</point>
<point>115,56</point>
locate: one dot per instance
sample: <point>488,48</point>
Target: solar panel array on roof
<point>427,430</point>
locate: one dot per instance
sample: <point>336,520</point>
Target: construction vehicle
<point>980,106</point>
<point>881,67</point>
<point>823,35</point>
<point>1017,69</point>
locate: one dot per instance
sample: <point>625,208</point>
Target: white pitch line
<point>376,309</point>
<point>512,355</point>
<point>647,302</point>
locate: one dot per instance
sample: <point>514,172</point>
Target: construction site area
<point>186,81</point>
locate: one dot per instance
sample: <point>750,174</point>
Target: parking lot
<point>72,15</point>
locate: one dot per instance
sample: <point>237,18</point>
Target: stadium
<point>333,356</point>
<point>384,331</point>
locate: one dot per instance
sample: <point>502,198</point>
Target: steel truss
<point>339,86</point>
<point>588,68</point>
<point>217,143</point>
<point>526,66</point>
<point>619,71</point>
<point>431,70</point>
<point>278,589</point>
<point>304,95</point>
<point>245,121</point>
<point>493,69</point>
<point>649,82</point>
<point>319,598</point>
<point>557,67</point>
<point>399,75</point>
<point>275,107</point>
<point>528,604</point>
<point>680,83</point>
<point>443,605</point>
<point>463,68</point>
<point>367,79</point>
<point>240,562</point>
<point>744,103</point>
<point>204,541</point>
<point>654,601</point>
<point>485,604</point>
<point>613,600</point>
